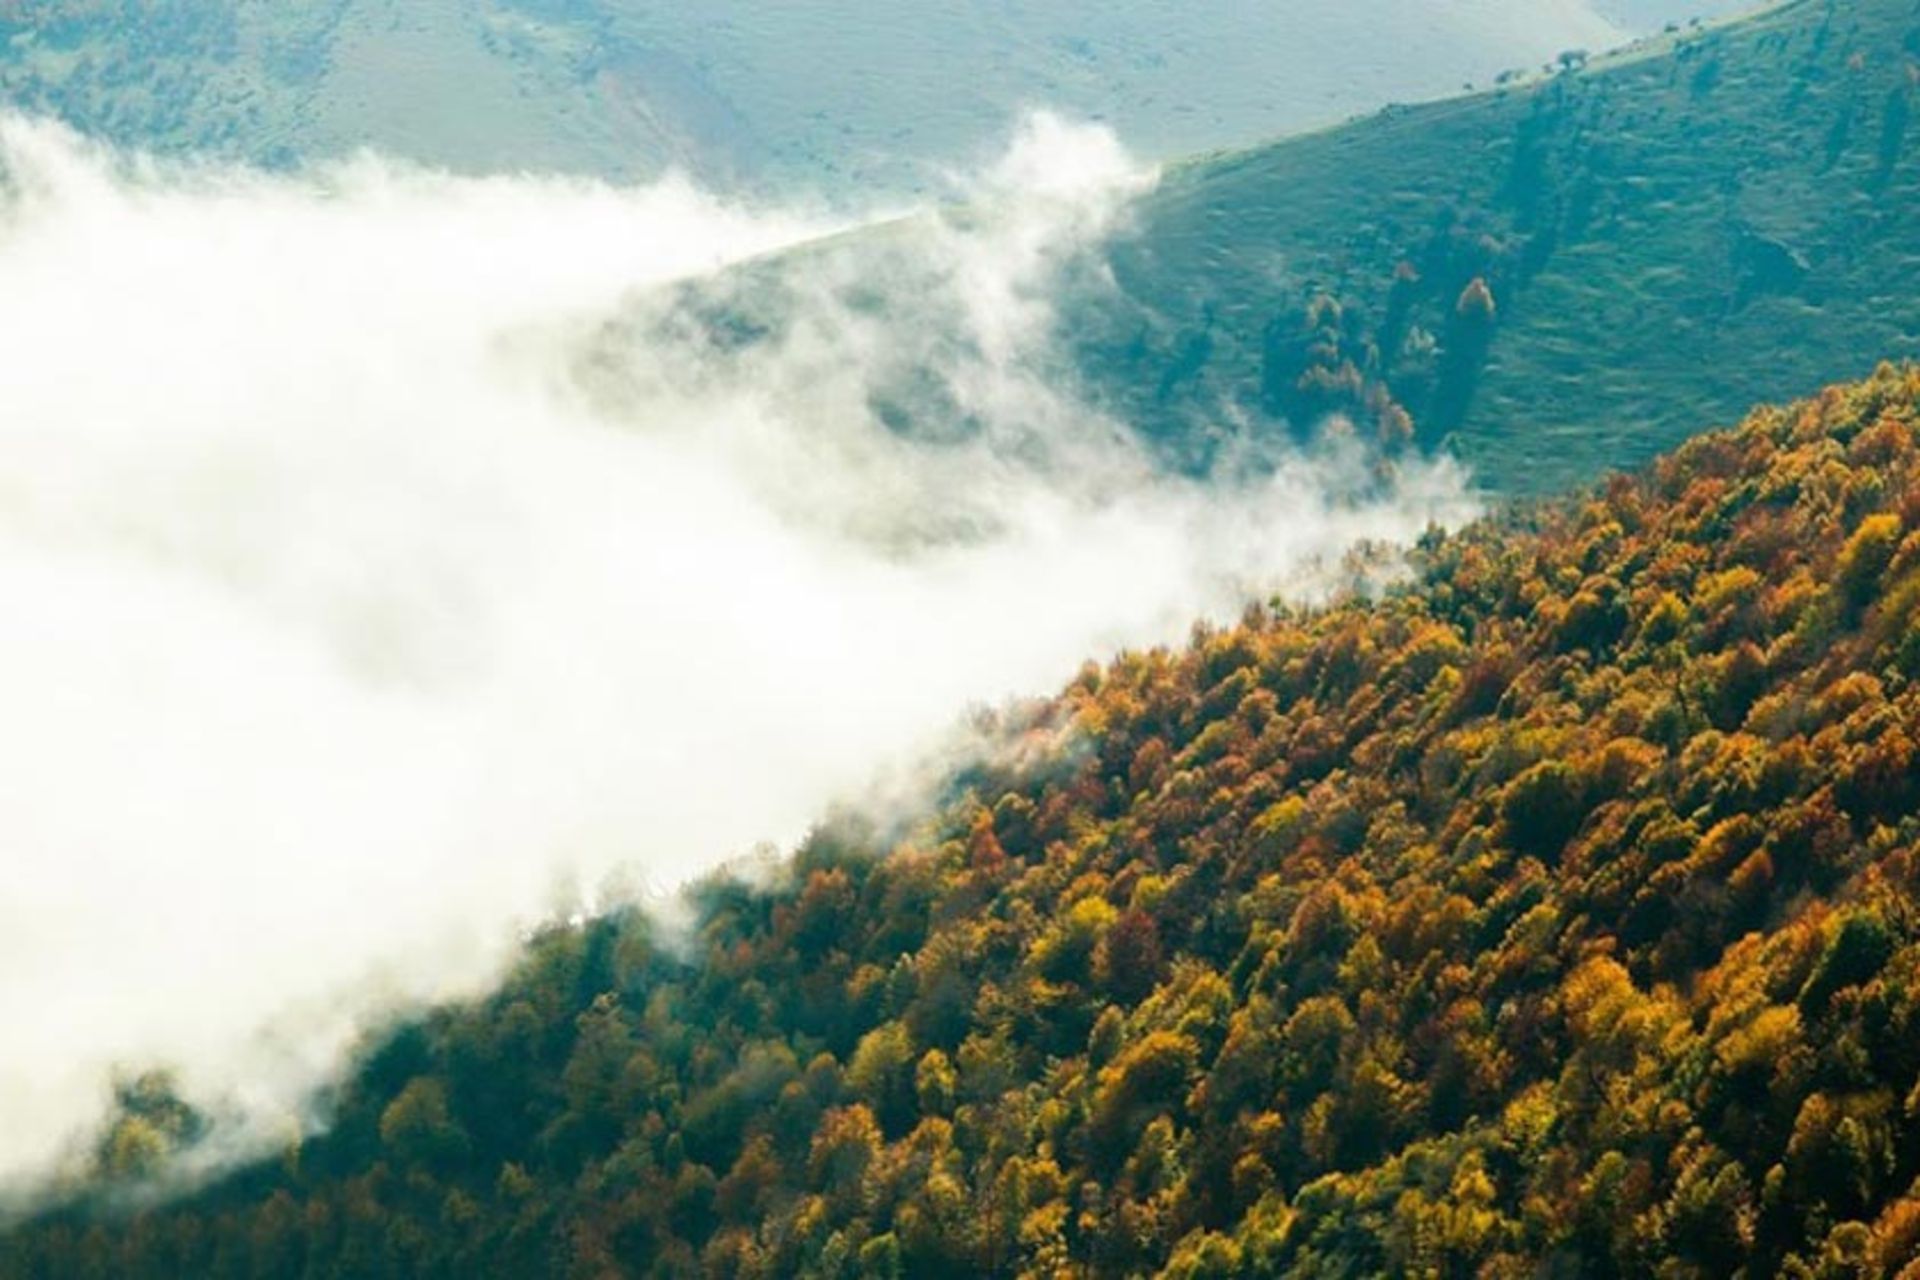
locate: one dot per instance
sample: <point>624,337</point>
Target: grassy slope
<point>829,92</point>
<point>854,88</point>
<point>1732,215</point>
<point>457,82</point>
<point>1651,15</point>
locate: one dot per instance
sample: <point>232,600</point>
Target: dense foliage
<point>1563,275</point>
<point>1556,913</point>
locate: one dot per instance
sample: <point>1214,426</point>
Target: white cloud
<point>363,583</point>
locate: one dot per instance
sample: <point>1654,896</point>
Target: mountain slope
<point>826,93</point>
<point>1652,15</point>
<point>1734,213</point>
<point>1558,913</point>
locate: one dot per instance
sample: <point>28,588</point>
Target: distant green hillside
<point>836,94</point>
<point>469,84</point>
<point>1662,237</point>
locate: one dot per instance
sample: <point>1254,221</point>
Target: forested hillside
<point>1560,276</point>
<point>1557,912</point>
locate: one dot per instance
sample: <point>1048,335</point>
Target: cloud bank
<point>381,550</point>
